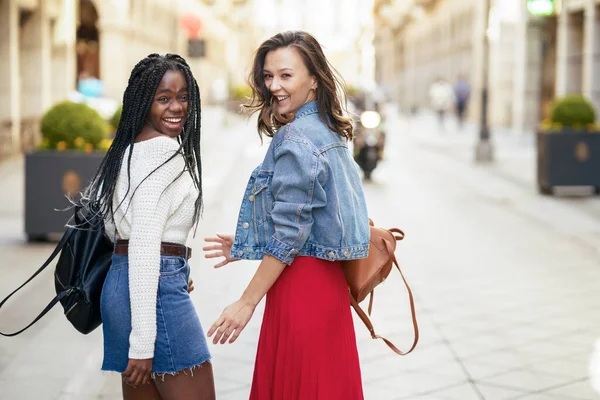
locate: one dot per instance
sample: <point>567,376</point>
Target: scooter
<point>369,143</point>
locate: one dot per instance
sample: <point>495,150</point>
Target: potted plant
<point>568,146</point>
<point>74,143</point>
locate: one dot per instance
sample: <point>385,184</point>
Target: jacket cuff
<point>281,251</point>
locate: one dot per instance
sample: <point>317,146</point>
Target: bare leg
<point>144,392</point>
<point>198,384</point>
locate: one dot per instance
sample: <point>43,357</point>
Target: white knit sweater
<point>159,206</point>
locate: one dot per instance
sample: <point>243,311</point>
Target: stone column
<point>533,81</point>
<point>528,72</point>
<point>571,34</point>
<point>64,61</point>
<point>480,26</point>
<point>115,46</point>
<point>114,66</point>
<point>9,78</point>
<point>520,71</point>
<point>35,67</point>
<point>591,54</point>
<point>562,62</point>
<point>575,46</point>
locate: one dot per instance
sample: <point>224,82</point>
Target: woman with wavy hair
<point>150,190</point>
<point>303,212</point>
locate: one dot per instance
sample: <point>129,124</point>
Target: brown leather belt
<point>166,249</point>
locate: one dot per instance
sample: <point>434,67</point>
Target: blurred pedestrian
<point>303,211</point>
<point>462,92</point>
<point>149,187</point>
<point>441,97</point>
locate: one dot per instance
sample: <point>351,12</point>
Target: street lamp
<point>484,151</point>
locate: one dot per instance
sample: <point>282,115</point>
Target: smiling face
<point>288,79</point>
<point>170,104</point>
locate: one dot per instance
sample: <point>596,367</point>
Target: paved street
<point>505,280</point>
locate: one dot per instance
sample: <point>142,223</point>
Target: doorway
<point>88,40</point>
<point>548,64</point>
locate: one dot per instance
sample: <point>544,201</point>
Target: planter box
<point>49,176</point>
<point>568,158</point>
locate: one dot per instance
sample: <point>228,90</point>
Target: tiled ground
<point>505,283</point>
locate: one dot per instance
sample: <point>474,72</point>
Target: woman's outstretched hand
<point>234,317</point>
<point>222,248</point>
<point>232,321</point>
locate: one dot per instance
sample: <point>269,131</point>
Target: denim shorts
<point>180,341</point>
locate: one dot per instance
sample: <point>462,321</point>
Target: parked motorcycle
<point>369,142</point>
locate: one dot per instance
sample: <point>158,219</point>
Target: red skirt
<point>307,345</point>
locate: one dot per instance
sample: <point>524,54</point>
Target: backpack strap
<point>398,235</point>
<point>57,298</point>
<point>365,319</point>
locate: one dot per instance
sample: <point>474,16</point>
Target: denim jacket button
<point>251,198</point>
<point>239,253</point>
<point>346,253</point>
<point>246,225</point>
<point>331,254</point>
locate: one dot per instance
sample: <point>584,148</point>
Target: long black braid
<point>137,102</point>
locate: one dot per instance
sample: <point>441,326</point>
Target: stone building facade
<point>45,45</point>
<point>578,51</point>
<point>532,59</point>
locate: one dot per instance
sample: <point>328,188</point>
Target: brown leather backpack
<point>365,274</point>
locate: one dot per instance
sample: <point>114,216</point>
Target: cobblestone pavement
<point>505,282</point>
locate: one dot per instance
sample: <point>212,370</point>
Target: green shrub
<point>116,118</point>
<point>69,125</point>
<point>240,93</point>
<point>572,111</point>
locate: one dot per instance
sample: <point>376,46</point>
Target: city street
<point>505,280</point>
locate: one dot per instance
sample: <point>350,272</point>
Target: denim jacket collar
<point>307,108</point>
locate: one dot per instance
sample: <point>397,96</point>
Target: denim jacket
<point>305,198</point>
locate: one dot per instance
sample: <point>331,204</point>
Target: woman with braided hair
<point>150,191</point>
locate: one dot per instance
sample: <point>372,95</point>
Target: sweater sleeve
<point>150,208</point>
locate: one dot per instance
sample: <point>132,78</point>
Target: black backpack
<point>85,257</point>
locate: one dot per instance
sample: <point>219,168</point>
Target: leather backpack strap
<point>397,233</point>
<point>52,303</point>
<point>365,319</point>
<point>57,298</point>
<point>410,298</point>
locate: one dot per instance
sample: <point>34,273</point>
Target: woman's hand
<point>138,372</point>
<point>232,321</point>
<point>222,248</point>
<point>190,285</point>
